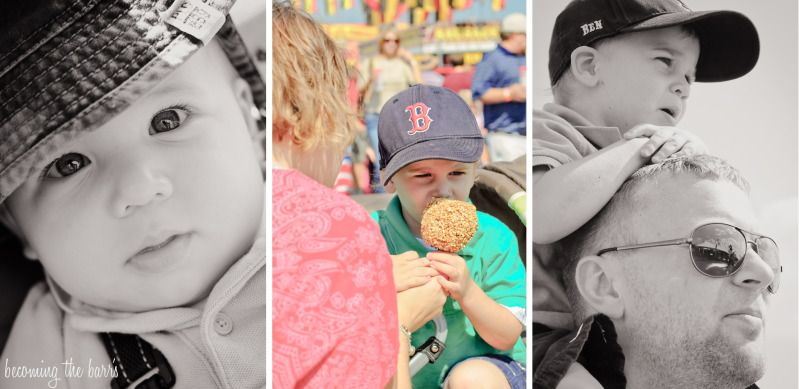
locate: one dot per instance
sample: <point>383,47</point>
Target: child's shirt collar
<point>599,136</point>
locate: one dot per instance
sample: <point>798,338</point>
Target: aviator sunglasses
<point>719,250</point>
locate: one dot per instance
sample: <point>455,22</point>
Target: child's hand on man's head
<point>411,271</point>
<point>456,280</point>
<point>665,142</point>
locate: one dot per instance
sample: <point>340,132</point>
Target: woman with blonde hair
<point>335,318</point>
<point>391,71</point>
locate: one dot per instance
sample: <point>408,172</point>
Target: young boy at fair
<point>429,148</point>
<point>135,178</point>
<point>621,76</point>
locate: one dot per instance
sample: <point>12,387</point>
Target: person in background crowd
<point>391,71</point>
<point>499,82</point>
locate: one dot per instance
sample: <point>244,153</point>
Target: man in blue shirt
<point>499,82</point>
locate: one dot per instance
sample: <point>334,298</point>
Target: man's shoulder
<point>492,53</point>
<point>492,57</point>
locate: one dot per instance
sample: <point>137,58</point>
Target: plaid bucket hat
<point>67,67</point>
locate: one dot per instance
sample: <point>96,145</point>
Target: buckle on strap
<point>138,364</point>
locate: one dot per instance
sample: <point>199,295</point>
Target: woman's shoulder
<point>295,192</point>
<point>305,212</point>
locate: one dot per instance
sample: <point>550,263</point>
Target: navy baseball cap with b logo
<point>728,43</point>
<point>426,122</point>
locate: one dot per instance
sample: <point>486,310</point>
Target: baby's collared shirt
<point>218,342</point>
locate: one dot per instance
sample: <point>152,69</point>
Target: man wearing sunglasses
<point>668,284</point>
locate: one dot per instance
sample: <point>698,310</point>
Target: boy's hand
<point>665,142</point>
<point>411,271</point>
<point>417,306</point>
<point>457,281</point>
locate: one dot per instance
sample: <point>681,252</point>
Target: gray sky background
<point>752,123</point>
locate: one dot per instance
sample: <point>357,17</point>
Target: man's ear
<point>583,66</point>
<point>597,282</point>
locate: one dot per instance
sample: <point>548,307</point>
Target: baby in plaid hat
<point>429,147</point>
<point>621,74</point>
<point>131,169</point>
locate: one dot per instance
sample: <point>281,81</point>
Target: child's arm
<point>568,196</point>
<point>494,323</point>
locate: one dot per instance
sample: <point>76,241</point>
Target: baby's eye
<point>665,60</point>
<point>457,173</point>
<point>421,175</point>
<point>66,165</point>
<point>168,120</point>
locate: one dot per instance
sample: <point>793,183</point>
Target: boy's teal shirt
<point>494,264</point>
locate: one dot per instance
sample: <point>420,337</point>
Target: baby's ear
<point>8,221</point>
<point>243,95</point>
<point>583,65</point>
<point>28,252</point>
<point>597,282</point>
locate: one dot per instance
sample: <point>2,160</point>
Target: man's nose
<point>755,272</point>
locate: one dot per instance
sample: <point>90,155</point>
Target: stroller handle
<point>432,348</point>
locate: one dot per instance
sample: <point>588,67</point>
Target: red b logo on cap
<point>420,117</point>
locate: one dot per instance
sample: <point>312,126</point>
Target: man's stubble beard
<point>675,358</point>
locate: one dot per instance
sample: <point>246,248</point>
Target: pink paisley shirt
<point>334,310</point>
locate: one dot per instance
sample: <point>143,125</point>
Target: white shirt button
<point>223,325</point>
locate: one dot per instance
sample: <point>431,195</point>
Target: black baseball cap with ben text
<point>728,41</point>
